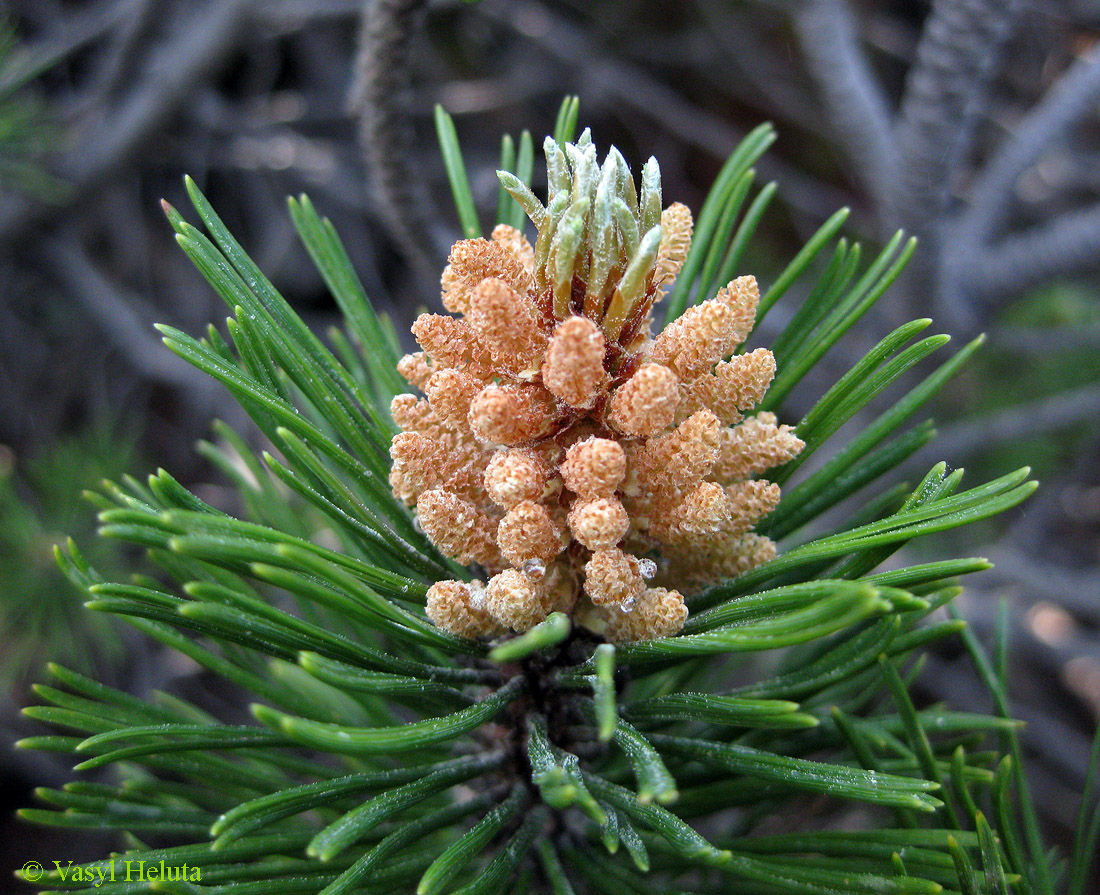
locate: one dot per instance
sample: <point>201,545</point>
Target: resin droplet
<point>647,567</point>
<point>417,526</point>
<point>628,604</point>
<point>534,568</point>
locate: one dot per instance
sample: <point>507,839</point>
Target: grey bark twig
<point>1020,421</point>
<point>378,95</point>
<point>914,164</point>
<point>1071,97</point>
<point>1020,261</point>
<point>115,313</point>
<point>858,110</point>
<point>959,47</point>
<point>195,50</point>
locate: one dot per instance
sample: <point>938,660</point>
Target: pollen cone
<point>578,461</point>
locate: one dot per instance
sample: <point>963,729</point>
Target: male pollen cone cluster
<point>584,465</point>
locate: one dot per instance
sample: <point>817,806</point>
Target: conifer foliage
<point>391,754</point>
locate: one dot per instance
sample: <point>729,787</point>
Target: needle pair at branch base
<point>584,464</point>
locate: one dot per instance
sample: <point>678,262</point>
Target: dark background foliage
<point>971,123</point>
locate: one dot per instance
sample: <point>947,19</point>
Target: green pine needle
<point>456,173</point>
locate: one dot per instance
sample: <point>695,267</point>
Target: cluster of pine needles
<point>771,746</point>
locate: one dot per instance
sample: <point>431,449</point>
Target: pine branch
<point>399,745</point>
<point>1065,103</point>
<point>859,112</point>
<point>386,32</point>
